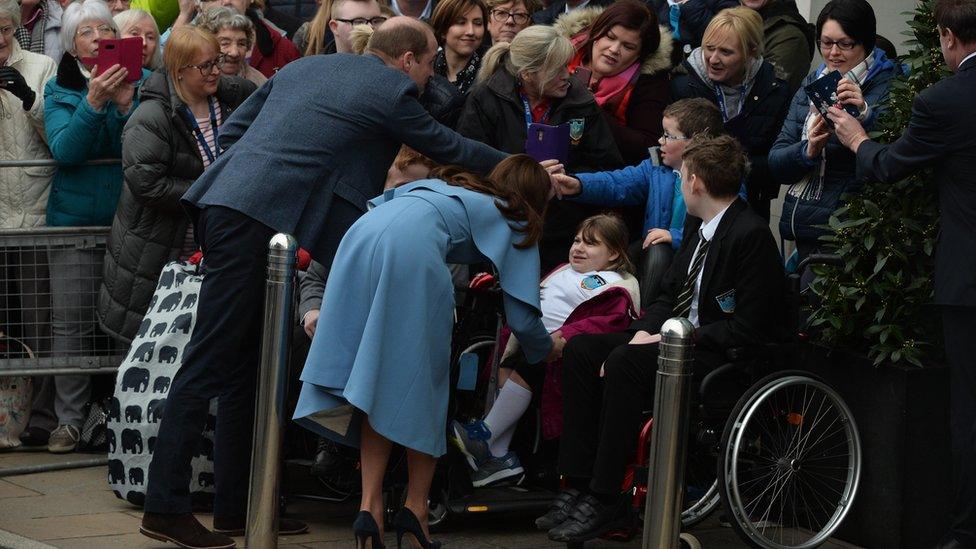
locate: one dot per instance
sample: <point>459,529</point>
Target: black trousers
<point>602,416</point>
<point>221,361</point>
<point>959,325</point>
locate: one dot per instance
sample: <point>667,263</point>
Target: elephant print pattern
<point>143,382</point>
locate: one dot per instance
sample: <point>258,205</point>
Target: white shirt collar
<point>708,229</point>
<point>967,58</point>
<point>394,5</point>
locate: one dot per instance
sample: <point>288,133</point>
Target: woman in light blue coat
<point>378,369</point>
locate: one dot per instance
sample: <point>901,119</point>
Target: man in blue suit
<point>302,156</point>
<point>940,135</point>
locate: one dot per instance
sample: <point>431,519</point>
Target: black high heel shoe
<point>367,531</point>
<point>406,522</point>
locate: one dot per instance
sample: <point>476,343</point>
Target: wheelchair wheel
<point>701,488</point>
<point>790,462</point>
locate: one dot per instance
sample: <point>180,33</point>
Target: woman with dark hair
<point>753,96</point>
<point>378,369</point>
<point>459,26</point>
<point>806,155</point>
<point>623,56</point>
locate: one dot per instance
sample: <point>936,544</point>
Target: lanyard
<point>720,95</point>
<point>528,112</point>
<point>198,133</point>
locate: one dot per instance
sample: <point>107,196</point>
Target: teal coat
<point>82,195</point>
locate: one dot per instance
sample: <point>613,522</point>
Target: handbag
<point>15,395</point>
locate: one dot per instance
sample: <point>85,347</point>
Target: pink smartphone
<point>119,51</point>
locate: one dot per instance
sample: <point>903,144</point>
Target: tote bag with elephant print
<point>143,382</point>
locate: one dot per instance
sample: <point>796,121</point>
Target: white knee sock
<point>513,400</point>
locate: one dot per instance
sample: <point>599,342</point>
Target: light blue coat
<point>383,342</point>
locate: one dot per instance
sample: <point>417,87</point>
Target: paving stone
<point>74,526</point>
<point>9,490</point>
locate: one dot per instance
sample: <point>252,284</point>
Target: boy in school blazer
<point>735,296</point>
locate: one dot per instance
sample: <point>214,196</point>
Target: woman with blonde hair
<point>167,143</point>
<point>728,69</point>
<point>524,82</point>
<point>235,35</point>
<point>136,22</point>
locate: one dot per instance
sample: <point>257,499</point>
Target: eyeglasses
<point>519,17</point>
<point>371,21</point>
<point>7,31</point>
<point>842,45</point>
<point>207,67</point>
<point>104,31</point>
<point>668,137</point>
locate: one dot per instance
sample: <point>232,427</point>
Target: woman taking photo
<point>85,108</point>
<point>139,23</point>
<point>167,143</point>
<point>624,57</point>
<point>729,70</point>
<point>235,34</point>
<point>527,81</point>
<point>807,156</point>
<point>459,26</point>
<point>390,306</point>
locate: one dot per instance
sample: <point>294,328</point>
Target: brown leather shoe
<point>183,530</point>
<point>234,526</point>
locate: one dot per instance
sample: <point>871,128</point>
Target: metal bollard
<point>669,436</point>
<point>279,301</point>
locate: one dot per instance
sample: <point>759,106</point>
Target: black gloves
<point>12,81</point>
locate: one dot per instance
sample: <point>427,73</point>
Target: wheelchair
<point>777,449</point>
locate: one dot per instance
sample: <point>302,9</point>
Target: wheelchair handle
<point>820,259</point>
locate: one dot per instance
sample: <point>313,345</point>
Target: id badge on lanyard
<point>198,133</point>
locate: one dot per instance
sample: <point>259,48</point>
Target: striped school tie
<point>682,306</point>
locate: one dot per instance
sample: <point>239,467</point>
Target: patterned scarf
<point>465,77</point>
<point>33,40</point>
<point>811,186</point>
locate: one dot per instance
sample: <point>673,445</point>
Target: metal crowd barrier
<point>279,302</point>
<point>49,283</point>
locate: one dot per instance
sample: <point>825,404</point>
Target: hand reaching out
<point>558,342</point>
<point>565,185</point>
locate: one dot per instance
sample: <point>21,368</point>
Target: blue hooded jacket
<point>658,188</point>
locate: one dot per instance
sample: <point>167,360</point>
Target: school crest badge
<point>576,126</point>
<point>726,302</point>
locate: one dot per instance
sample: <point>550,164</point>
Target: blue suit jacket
<point>307,150</point>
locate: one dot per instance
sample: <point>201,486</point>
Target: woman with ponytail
<point>526,81</point>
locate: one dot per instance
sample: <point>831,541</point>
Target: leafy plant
<point>879,303</point>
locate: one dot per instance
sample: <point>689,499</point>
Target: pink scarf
<point>611,92</point>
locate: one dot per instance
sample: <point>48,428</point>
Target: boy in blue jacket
<point>657,187</point>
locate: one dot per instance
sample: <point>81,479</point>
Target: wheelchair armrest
<point>654,262</point>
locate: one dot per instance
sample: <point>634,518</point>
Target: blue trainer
<point>496,470</point>
<point>472,440</point>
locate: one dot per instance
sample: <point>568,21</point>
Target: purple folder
<point>545,142</point>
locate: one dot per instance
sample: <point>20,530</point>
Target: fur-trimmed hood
<point>574,22</point>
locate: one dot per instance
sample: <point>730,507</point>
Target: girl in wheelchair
<point>595,292</point>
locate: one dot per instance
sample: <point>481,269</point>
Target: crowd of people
<point>685,118</point>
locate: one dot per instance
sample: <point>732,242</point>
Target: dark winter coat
<point>549,14</point>
<point>788,160</point>
<point>160,159</point>
<point>788,40</point>
<point>494,114</point>
<point>756,126</point>
<point>648,97</point>
<point>688,20</point>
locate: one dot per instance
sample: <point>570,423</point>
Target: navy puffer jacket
<point>789,164</point>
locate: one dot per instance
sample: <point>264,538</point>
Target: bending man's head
<point>408,45</point>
